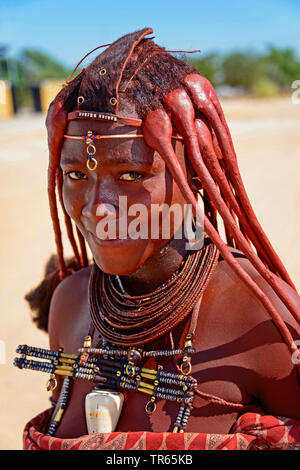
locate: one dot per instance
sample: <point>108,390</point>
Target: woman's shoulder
<point>235,290</point>
<point>229,302</point>
<point>69,306</point>
<point>76,279</point>
<point>243,314</point>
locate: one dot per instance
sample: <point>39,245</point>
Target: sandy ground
<point>266,136</point>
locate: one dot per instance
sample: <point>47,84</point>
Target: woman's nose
<point>98,210</point>
<point>101,201</point>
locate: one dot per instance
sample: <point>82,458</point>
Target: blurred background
<point>250,51</point>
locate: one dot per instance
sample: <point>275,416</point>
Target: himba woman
<point>142,124</point>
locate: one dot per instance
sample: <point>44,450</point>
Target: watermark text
<point>159,221</point>
<point>296,93</point>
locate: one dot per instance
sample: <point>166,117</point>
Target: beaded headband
<point>91,136</point>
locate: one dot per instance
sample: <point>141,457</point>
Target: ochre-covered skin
<point>240,354</point>
<point>249,314</point>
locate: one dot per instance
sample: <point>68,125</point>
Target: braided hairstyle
<point>167,93</point>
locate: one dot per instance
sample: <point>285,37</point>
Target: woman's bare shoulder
<point>68,306</point>
<point>230,279</point>
<point>244,312</point>
<point>228,284</point>
<point>246,331</point>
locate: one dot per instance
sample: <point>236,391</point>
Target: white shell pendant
<point>102,410</point>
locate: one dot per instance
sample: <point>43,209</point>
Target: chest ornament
<point>126,324</point>
<point>111,370</point>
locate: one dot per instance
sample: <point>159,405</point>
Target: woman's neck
<point>156,270</point>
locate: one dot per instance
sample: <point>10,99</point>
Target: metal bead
<point>134,356</point>
<point>113,101</point>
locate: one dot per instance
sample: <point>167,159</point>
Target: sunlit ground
<point>266,137</point>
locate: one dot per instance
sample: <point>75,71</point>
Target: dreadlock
<point>168,93</point>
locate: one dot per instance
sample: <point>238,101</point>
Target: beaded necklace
<point>112,368</point>
<point>127,320</point>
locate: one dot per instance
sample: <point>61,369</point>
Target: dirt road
<point>266,137</point>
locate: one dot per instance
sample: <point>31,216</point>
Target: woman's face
<point>127,168</point>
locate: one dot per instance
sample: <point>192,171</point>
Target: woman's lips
<point>108,242</point>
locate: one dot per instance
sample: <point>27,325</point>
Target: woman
<point>141,125</point>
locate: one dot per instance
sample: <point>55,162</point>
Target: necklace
<point>126,320</point>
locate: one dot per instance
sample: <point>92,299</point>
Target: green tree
<point>209,66</point>
<point>38,66</point>
<point>243,69</point>
<point>283,66</point>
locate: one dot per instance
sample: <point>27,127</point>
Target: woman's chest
<point>216,374</point>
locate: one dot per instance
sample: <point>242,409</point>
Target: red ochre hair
<point>167,93</point>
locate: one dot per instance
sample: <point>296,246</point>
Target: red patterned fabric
<point>251,431</point>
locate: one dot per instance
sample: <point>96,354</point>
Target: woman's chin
<point>117,265</point>
<point>116,269</point>
<point>127,258</point>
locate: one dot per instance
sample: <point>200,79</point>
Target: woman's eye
<point>131,176</point>
<point>75,175</point>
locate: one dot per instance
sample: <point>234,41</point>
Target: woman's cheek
<point>156,190</point>
<point>72,202</point>
<point>163,190</point>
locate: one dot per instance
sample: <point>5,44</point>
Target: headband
<point>90,137</point>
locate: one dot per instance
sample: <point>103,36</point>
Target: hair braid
<point>68,221</point>
<point>150,78</point>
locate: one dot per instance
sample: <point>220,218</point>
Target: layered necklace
<point>127,320</point>
<point>125,323</point>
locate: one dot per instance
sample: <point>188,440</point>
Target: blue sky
<point>68,29</point>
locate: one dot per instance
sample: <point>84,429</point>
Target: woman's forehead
<point>80,127</point>
<point>134,149</point>
<point>117,149</point>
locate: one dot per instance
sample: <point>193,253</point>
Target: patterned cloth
<point>251,431</point>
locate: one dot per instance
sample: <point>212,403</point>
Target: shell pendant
<point>102,410</point>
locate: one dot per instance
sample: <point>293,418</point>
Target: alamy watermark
<point>296,93</point>
<point>160,221</point>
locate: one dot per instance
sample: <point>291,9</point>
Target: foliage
<point>262,74</point>
<point>265,88</point>
<point>243,69</point>
<point>29,70</point>
<point>209,66</point>
<point>38,66</point>
<point>283,66</point>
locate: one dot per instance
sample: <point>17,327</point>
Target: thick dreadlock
<point>168,93</point>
